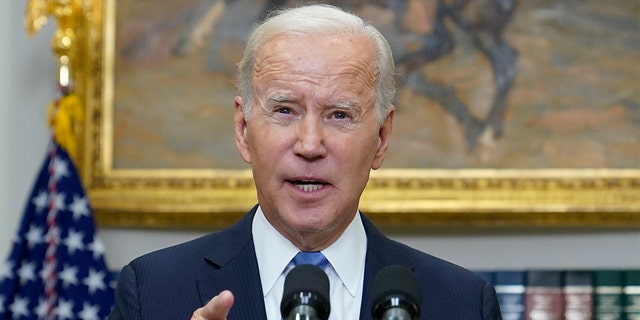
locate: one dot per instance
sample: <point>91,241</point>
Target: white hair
<point>318,19</point>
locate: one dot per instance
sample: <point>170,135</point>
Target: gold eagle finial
<point>66,13</point>
<point>65,114</point>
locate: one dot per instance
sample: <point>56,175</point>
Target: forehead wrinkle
<point>266,64</point>
<point>362,72</point>
<point>265,68</point>
<point>366,67</point>
<point>363,69</point>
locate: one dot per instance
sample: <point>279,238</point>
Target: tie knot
<point>315,258</point>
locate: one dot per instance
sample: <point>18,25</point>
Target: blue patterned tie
<point>315,258</point>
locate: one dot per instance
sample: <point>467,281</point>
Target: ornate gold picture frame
<point>395,197</point>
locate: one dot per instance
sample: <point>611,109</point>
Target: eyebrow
<point>345,104</point>
<point>279,97</point>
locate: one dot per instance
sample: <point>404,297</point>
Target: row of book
<point>567,294</point>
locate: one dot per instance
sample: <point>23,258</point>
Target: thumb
<point>216,309</point>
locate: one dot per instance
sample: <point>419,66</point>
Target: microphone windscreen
<point>306,279</point>
<point>399,282</point>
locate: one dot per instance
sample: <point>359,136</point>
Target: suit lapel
<point>381,252</point>
<point>373,264</point>
<point>235,268</point>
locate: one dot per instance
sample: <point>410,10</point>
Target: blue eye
<point>340,115</point>
<point>283,110</point>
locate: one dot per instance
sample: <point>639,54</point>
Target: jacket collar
<point>235,269</point>
<point>381,252</point>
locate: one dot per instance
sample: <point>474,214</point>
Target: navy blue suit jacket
<point>172,283</point>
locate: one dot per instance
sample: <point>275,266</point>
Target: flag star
<point>95,281</point>
<point>60,169</point>
<point>34,236</point>
<point>89,312</point>
<point>6,270</point>
<point>79,207</point>
<point>74,241</point>
<point>97,247</point>
<point>20,307</point>
<point>41,309</point>
<point>58,201</point>
<point>40,201</point>
<point>27,273</point>
<point>64,309</point>
<point>69,276</point>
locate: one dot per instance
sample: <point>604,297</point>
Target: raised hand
<point>216,309</point>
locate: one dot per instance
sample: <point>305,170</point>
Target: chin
<point>308,222</point>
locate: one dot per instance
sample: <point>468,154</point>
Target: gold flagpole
<point>65,114</point>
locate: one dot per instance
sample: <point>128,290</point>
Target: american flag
<point>56,268</point>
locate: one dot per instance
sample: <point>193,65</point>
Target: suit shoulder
<point>225,242</point>
<point>182,252</point>
<point>432,266</point>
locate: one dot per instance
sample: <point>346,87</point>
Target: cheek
<point>265,143</point>
<point>363,147</point>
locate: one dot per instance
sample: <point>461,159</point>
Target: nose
<point>310,142</point>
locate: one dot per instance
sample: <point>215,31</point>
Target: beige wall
<point>27,85</point>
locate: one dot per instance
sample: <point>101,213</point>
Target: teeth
<point>309,187</point>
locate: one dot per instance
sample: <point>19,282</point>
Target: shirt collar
<point>274,252</point>
<point>347,255</point>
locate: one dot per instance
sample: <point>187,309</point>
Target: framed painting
<point>508,114</point>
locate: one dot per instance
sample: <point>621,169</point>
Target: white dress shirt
<point>346,257</point>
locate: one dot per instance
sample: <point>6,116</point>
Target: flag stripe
<point>52,246</point>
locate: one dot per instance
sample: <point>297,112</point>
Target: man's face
<point>313,135</point>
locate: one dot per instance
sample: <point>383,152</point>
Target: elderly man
<point>314,116</point>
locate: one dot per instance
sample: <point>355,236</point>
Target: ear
<point>384,135</point>
<point>241,130</point>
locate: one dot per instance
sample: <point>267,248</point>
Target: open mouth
<point>308,186</point>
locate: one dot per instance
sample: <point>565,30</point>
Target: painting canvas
<point>487,84</point>
<point>509,113</point>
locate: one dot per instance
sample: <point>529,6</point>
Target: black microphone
<point>396,294</point>
<point>306,294</point>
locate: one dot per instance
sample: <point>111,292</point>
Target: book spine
<point>543,296</point>
<point>578,295</point>
<point>631,295</point>
<point>607,296</point>
<point>510,289</point>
